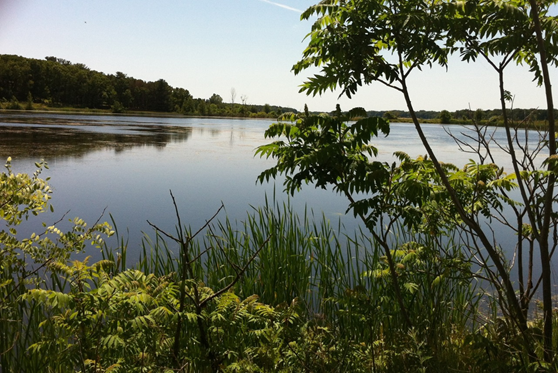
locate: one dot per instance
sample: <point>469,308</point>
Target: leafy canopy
<point>328,151</point>
<point>358,42</point>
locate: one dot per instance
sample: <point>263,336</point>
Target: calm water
<point>128,165</point>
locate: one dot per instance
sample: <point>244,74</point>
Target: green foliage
<point>352,42</point>
<point>410,194</point>
<point>14,104</point>
<point>57,82</point>
<point>123,324</point>
<point>445,117</point>
<point>324,306</point>
<point>279,294</point>
<point>117,107</point>
<point>360,42</point>
<point>390,115</point>
<point>215,99</point>
<point>498,29</point>
<point>326,151</point>
<point>29,103</point>
<point>479,116</point>
<point>26,262</point>
<point>24,196</point>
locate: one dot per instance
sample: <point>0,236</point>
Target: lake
<point>127,165</point>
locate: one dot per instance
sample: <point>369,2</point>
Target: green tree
<point>29,104</point>
<point>180,98</point>
<point>327,152</point>
<point>202,107</point>
<point>390,115</point>
<point>445,117</point>
<point>25,260</point>
<point>216,99</point>
<point>360,42</point>
<point>505,34</point>
<point>122,86</point>
<point>161,93</point>
<point>479,116</point>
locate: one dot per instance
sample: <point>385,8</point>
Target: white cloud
<point>282,6</point>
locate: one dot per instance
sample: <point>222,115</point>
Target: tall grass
<point>337,282</point>
<point>339,278</point>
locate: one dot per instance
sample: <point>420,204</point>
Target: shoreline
<point>535,125</point>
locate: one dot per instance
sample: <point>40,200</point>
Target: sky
<point>213,46</point>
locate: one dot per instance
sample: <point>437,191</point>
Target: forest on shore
<point>27,83</point>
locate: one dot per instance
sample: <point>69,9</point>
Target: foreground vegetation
<point>279,292</point>
<point>385,42</point>
<point>287,293</point>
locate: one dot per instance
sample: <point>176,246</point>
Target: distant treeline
<point>466,115</point>
<point>55,82</point>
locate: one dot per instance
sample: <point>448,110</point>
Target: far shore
<point>535,125</point>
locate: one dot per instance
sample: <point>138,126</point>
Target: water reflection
<point>129,164</point>
<point>58,136</point>
<point>49,142</point>
<point>54,137</point>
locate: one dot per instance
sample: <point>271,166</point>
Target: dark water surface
<point>128,165</point>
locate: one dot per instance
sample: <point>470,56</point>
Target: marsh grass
<point>320,292</point>
<point>340,280</point>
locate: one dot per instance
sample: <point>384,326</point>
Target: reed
<point>332,286</point>
<point>337,277</point>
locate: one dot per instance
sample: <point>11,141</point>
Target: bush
<point>117,107</point>
<point>14,104</point>
<point>445,117</point>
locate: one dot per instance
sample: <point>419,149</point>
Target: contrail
<point>282,6</point>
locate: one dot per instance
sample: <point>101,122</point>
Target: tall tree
<point>161,95</point>
<point>361,42</point>
<point>216,99</point>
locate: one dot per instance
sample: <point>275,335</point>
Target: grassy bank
<point>42,108</point>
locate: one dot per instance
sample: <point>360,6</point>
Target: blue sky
<point>211,46</point>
